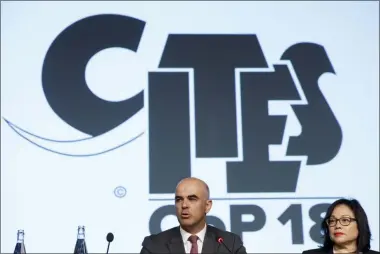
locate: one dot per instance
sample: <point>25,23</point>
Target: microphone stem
<point>108,247</point>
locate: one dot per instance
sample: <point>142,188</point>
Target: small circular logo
<point>120,191</point>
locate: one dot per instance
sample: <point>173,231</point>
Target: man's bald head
<point>192,202</point>
<point>197,182</point>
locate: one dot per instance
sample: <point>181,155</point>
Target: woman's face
<point>348,232</point>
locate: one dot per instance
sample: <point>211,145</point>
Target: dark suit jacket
<point>322,251</point>
<point>170,241</point>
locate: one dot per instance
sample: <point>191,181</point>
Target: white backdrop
<point>49,195</point>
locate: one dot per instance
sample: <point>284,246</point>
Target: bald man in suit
<point>193,235</point>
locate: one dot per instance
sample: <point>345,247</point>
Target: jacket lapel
<point>175,244</point>
<point>209,244</point>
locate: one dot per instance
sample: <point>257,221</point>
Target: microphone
<point>109,240</point>
<point>221,241</point>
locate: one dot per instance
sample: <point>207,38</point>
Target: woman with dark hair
<point>345,229</point>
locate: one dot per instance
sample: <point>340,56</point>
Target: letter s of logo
<point>322,136</point>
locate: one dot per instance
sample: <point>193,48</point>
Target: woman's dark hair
<point>364,236</point>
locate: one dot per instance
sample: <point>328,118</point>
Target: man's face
<point>192,204</point>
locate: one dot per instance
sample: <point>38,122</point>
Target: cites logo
<point>222,84</point>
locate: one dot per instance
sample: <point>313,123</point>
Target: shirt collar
<point>185,235</point>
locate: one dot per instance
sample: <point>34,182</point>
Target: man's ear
<point>208,205</point>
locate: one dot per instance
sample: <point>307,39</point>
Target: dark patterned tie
<point>194,245</point>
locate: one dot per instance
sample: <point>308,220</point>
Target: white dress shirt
<point>187,244</point>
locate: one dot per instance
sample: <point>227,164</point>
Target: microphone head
<point>110,237</point>
<point>220,240</point>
